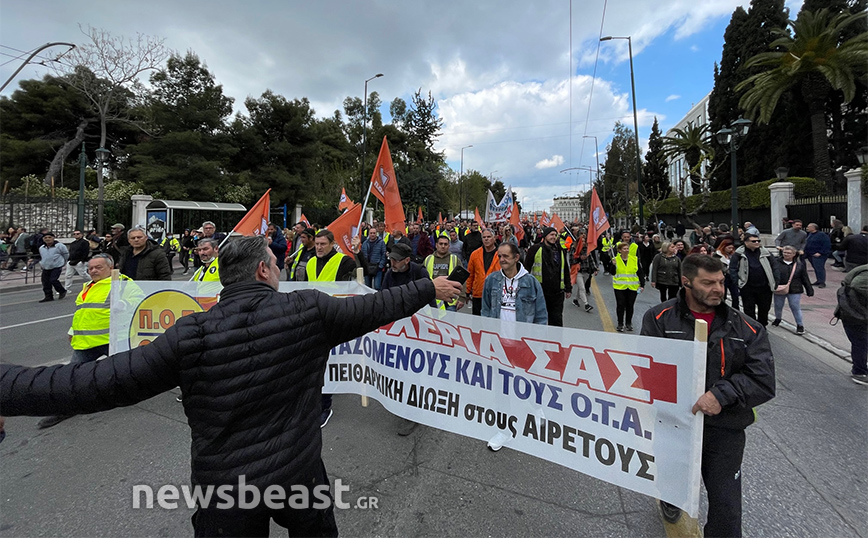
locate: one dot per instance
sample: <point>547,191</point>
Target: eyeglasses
<point>753,241</point>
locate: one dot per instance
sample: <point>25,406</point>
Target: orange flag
<point>384,185</point>
<point>255,222</point>
<point>440,218</point>
<point>345,228</point>
<point>545,220</point>
<point>305,221</point>
<point>516,223</point>
<point>419,217</point>
<point>477,218</point>
<point>345,202</point>
<point>598,222</point>
<point>557,223</point>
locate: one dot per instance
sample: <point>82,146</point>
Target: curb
<point>814,339</point>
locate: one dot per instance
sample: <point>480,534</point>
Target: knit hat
<point>547,230</point>
<point>310,232</point>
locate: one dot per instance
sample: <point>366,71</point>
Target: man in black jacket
<point>548,263</point>
<point>739,375</point>
<point>79,253</point>
<point>264,355</point>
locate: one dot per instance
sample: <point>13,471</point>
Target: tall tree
<point>656,176</point>
<point>693,142</point>
<point>619,169</point>
<point>816,61</point>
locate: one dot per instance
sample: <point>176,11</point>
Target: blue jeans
<point>81,356</point>
<point>375,281</point>
<point>819,265</point>
<point>795,300</point>
<point>858,346</point>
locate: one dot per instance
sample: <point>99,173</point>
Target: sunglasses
<point>754,241</point>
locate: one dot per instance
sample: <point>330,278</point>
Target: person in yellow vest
<point>627,237</point>
<point>171,246</point>
<point>296,262</point>
<point>209,271</point>
<point>607,250</point>
<point>89,333</point>
<point>548,263</point>
<point>329,265</point>
<point>628,281</point>
<point>441,263</point>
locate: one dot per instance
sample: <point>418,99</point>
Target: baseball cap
<point>52,234</point>
<point>400,251</point>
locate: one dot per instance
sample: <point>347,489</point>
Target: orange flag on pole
<point>419,217</point>
<point>384,185</point>
<point>345,228</point>
<point>255,222</point>
<point>516,223</point>
<point>557,223</point>
<point>477,218</point>
<point>545,220</point>
<point>345,202</point>
<point>598,222</point>
<point>305,221</point>
<point>440,218</point>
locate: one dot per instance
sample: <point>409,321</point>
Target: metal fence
<point>819,210</point>
<point>60,214</point>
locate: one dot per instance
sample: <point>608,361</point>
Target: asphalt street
<point>804,469</point>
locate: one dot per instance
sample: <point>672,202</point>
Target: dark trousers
<point>624,301</point>
<point>588,277</point>
<point>51,278</point>
<point>729,285</point>
<point>858,337</point>
<point>170,256</point>
<point>185,259</point>
<point>722,452</point>
<point>213,521</point>
<point>555,308</point>
<point>757,301</point>
<point>819,265</point>
<point>667,292</point>
<point>477,306</point>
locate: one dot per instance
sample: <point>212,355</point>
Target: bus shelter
<point>176,215</point>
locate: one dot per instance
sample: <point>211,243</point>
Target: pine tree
<point>656,177</point>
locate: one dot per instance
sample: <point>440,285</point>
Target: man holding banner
<point>739,375</point>
<point>265,353</point>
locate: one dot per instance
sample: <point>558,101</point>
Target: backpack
<point>852,301</point>
<point>34,242</point>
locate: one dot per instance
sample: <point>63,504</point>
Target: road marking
<point>37,321</point>
<point>605,317</point>
<point>13,304</point>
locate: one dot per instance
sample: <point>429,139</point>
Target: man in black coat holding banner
<point>256,419</point>
<point>739,375</point>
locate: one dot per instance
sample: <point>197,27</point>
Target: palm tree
<point>694,143</point>
<point>816,61</point>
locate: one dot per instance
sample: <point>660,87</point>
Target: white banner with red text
<point>612,406</point>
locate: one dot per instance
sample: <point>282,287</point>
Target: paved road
<point>804,469</point>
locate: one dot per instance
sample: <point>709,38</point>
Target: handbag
<point>373,268</point>
<point>784,289</point>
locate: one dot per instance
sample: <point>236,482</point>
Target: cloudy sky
<point>500,71</point>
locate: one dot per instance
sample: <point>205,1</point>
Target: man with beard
<point>296,262</point>
<point>548,263</point>
<point>739,376</point>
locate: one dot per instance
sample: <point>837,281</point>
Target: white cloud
<point>555,160</point>
<point>673,97</point>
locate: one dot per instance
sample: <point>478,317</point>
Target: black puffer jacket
<point>740,368</point>
<point>250,370</point>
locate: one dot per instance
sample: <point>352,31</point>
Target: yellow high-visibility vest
<point>90,323</point>
<point>607,244</point>
<point>536,270</point>
<point>329,273</point>
<point>626,277</point>
<point>429,266</point>
<point>207,273</point>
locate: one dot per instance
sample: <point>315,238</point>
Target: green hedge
<point>756,196</point>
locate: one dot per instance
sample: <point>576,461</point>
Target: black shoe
<point>576,302</point>
<point>671,513</point>
<point>406,427</point>
<point>61,295</point>
<point>800,329</point>
<point>48,422</point>
<point>860,379</point>
<point>179,398</point>
<point>776,322</point>
<point>629,328</point>
<point>588,308</point>
<point>325,416</point>
<point>815,283</point>
<point>620,328</point>
<point>821,285</point>
<point>47,300</point>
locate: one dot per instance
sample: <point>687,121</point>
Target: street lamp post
<point>365,133</point>
<point>82,160</point>
<point>597,155</point>
<point>635,130</point>
<point>731,138</point>
<point>102,156</point>
<point>461,198</point>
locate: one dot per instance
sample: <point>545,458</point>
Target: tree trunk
<point>64,151</point>
<point>815,90</point>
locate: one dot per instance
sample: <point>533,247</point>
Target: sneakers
<point>776,322</point>
<point>800,329</point>
<point>821,285</point>
<point>325,416</point>
<point>671,513</point>
<point>588,308</point>
<point>47,300</point>
<point>576,302</point>
<point>61,295</point>
<point>406,427</point>
<point>860,379</point>
<point>179,398</point>
<point>620,328</point>
<point>629,328</point>
<point>496,442</point>
<point>48,422</point>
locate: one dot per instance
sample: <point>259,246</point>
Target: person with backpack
<point>852,310</point>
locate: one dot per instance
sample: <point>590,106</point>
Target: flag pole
<point>365,205</point>
<point>242,218</point>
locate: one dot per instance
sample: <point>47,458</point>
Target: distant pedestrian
<point>628,281</point>
<point>753,268</point>
<point>818,248</point>
<point>53,257</point>
<point>852,310</point>
<point>794,237</point>
<point>855,249</point>
<point>793,281</point>
<point>548,263</point>
<point>79,253</point>
<point>666,272</point>
<point>584,267</point>
<point>724,253</point>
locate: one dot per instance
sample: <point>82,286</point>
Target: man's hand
<point>447,290</point>
<point>708,404</point>
<point>567,295</point>
<point>460,305</point>
<point>817,255</point>
<point>356,243</point>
